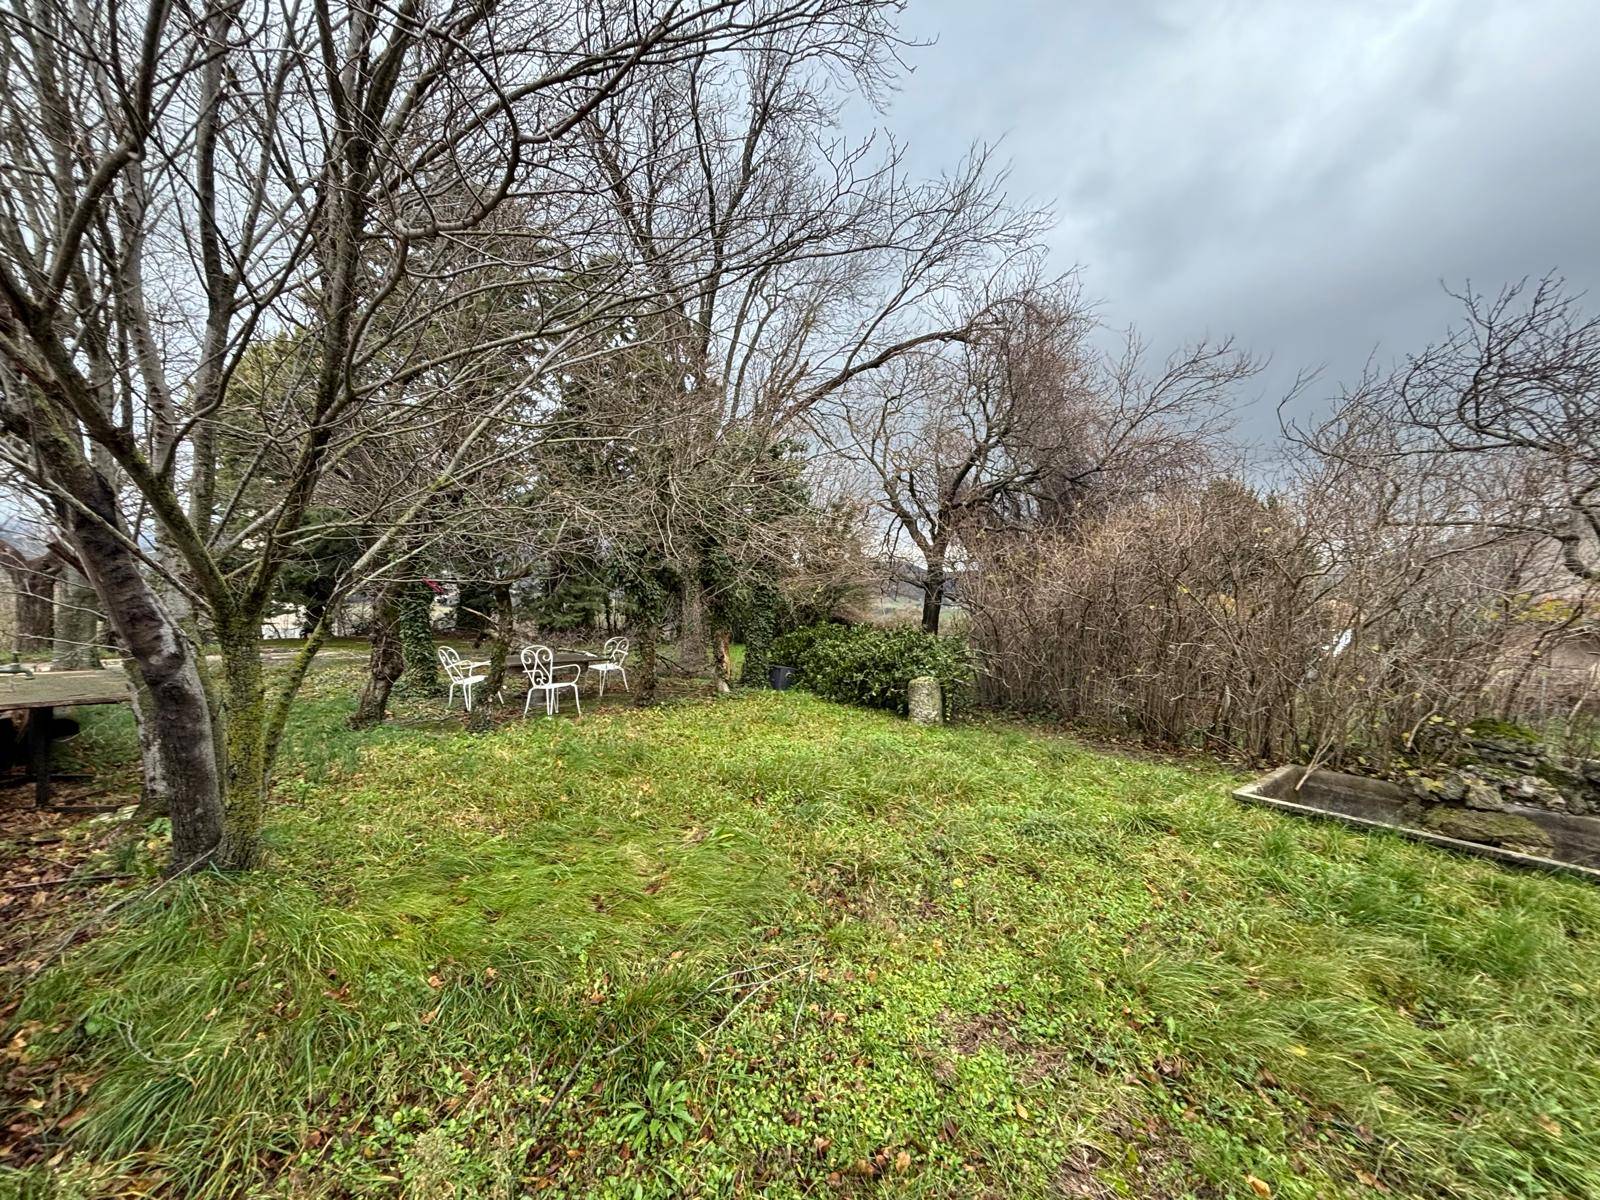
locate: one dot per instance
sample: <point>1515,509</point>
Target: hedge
<point>870,666</point>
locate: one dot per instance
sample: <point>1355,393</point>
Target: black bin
<point>781,678</point>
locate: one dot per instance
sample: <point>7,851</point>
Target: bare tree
<point>1023,425</point>
<point>1495,429</point>
<point>792,263</point>
<point>186,183</point>
<point>1427,547</point>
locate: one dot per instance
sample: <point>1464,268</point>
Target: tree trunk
<point>386,664</point>
<point>34,581</point>
<point>177,746</point>
<point>722,655</point>
<point>759,628</point>
<point>182,774</point>
<point>154,797</point>
<point>504,628</point>
<point>244,706</point>
<point>693,652</point>
<point>77,625</point>
<point>649,644</point>
<point>414,606</point>
<point>932,593</point>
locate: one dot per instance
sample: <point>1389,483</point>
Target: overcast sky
<point>1300,173</point>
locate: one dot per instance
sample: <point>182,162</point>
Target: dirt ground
<point>54,878</point>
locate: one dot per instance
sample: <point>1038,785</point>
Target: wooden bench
<point>38,696</point>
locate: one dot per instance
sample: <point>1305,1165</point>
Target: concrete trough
<point>1520,836</point>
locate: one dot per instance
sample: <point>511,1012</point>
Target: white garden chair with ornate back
<point>464,675</point>
<point>539,663</point>
<point>615,655</point>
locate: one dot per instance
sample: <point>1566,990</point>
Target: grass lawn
<point>769,946</point>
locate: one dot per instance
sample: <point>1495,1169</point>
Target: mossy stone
<point>1510,731</point>
<point>1491,828</point>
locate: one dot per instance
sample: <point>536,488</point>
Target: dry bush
<point>1266,629</point>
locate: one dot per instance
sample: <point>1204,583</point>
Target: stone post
<point>924,701</point>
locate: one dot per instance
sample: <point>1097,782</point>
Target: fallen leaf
<point>902,1161</point>
<point>1259,1186</point>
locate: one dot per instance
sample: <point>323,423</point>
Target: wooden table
<point>40,695</point>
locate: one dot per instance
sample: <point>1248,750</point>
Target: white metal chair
<point>616,654</point>
<point>539,663</point>
<point>464,675</point>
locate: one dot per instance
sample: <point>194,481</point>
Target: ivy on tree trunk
<point>649,647</point>
<point>760,628</point>
<point>414,608</point>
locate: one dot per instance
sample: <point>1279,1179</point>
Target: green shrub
<point>866,665</point>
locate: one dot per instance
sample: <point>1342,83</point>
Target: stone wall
<point>1500,766</point>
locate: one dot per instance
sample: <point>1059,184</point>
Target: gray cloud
<point>1300,174</point>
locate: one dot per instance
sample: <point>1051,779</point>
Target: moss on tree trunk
<point>244,714</point>
<point>649,648</point>
<point>504,627</point>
